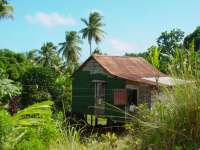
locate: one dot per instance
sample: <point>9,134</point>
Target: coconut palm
<point>70,48</point>
<point>47,55</point>
<point>93,29</point>
<point>6,9</point>
<point>32,56</point>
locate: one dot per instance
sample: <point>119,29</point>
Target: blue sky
<point>131,25</point>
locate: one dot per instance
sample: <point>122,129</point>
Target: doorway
<point>132,96</point>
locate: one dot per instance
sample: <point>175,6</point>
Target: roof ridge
<point>96,55</point>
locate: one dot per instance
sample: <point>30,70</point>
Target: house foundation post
<point>85,117</point>
<point>96,121</point>
<point>91,120</point>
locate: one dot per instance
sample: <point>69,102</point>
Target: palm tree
<point>70,49</point>
<point>32,56</point>
<point>93,30</point>
<point>97,51</point>
<point>47,55</point>
<point>6,9</point>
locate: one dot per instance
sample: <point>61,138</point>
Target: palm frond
<point>35,114</point>
<point>84,21</point>
<point>6,10</point>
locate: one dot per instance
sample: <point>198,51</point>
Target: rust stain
<point>129,68</point>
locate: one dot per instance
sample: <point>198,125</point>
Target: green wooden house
<point>108,86</point>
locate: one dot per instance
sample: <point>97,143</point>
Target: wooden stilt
<point>96,121</point>
<point>85,117</point>
<point>109,122</point>
<point>91,120</point>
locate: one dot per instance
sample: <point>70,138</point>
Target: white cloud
<point>121,45</point>
<point>50,20</point>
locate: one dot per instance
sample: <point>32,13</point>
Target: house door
<point>132,96</point>
<point>99,98</point>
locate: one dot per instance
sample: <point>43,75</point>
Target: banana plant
<point>34,116</point>
<point>154,60</point>
<point>186,62</point>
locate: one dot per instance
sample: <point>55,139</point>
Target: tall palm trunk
<point>90,43</point>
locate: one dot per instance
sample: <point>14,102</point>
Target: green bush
<point>39,138</point>
<point>14,64</point>
<point>30,128</point>
<point>42,83</point>
<point>31,141</point>
<point>5,126</point>
<point>37,85</point>
<point>8,89</point>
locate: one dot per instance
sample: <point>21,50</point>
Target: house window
<point>120,97</point>
<point>99,92</point>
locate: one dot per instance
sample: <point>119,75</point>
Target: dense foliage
<point>6,9</point>
<point>13,64</point>
<point>37,85</point>
<point>8,89</point>
<point>27,81</point>
<point>173,122</point>
<point>193,37</point>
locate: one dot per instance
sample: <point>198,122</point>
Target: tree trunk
<point>90,43</point>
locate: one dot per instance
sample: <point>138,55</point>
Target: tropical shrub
<point>186,62</point>
<point>8,89</point>
<point>30,128</point>
<point>173,122</point>
<point>31,141</point>
<point>37,85</point>
<point>39,138</point>
<point>64,87</point>
<point>5,126</point>
<point>14,64</point>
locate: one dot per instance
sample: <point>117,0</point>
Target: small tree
<point>154,60</point>
<point>37,85</point>
<point>7,90</point>
<point>40,84</point>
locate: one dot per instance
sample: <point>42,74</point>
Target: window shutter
<point>120,97</point>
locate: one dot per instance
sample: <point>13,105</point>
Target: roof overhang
<point>166,81</point>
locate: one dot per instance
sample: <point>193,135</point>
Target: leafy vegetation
<point>12,64</point>
<point>6,9</point>
<point>48,56</point>
<point>193,37</point>
<point>173,122</point>
<point>38,84</point>
<point>28,80</point>
<point>8,90</point>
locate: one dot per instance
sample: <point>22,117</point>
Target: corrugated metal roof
<point>168,81</point>
<point>130,68</point>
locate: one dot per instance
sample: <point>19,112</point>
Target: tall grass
<point>69,139</point>
<point>173,122</point>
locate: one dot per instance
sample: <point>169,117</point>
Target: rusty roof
<point>126,67</point>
